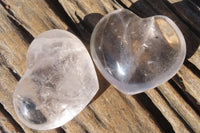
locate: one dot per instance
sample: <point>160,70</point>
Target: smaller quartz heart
<point>135,54</point>
<point>59,82</point>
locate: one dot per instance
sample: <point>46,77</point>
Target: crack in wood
<point>83,127</point>
<point>14,73</point>
<point>122,4</point>
<point>3,61</point>
<point>7,7</point>
<point>25,34</point>
<point>97,118</point>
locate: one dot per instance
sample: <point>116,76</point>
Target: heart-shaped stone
<point>59,82</point>
<point>135,54</point>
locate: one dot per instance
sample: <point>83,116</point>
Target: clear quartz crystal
<point>135,54</point>
<point>59,82</point>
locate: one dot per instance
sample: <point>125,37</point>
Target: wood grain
<point>172,107</point>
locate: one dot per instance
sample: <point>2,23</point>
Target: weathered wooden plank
<point>169,114</point>
<point>13,47</point>
<point>113,112</point>
<point>180,106</point>
<point>35,15</point>
<point>79,9</point>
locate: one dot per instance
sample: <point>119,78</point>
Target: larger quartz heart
<point>136,54</point>
<point>59,82</point>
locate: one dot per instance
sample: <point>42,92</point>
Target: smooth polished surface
<point>136,54</point>
<point>59,82</point>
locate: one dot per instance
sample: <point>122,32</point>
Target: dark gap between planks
<point>177,84</point>
<point>160,120</point>
<point>11,119</point>
<point>178,116</point>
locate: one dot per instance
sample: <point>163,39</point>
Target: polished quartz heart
<point>135,54</point>
<point>59,82</point>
